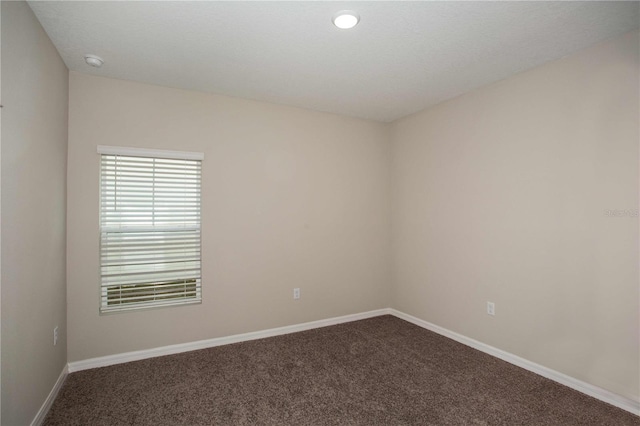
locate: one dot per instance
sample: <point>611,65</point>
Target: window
<point>149,228</point>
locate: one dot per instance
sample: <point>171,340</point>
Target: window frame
<point>154,154</point>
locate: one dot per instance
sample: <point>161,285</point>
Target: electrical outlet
<point>296,293</point>
<point>491,308</point>
<point>55,335</point>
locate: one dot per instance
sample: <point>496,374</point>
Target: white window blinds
<point>149,231</point>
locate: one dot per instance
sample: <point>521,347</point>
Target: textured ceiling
<point>401,58</point>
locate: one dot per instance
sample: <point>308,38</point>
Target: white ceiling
<point>401,58</point>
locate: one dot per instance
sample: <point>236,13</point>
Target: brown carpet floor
<point>379,371</point>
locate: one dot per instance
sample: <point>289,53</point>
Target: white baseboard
<point>219,341</point>
<point>584,387</point>
<point>604,395</point>
<point>42,412</point>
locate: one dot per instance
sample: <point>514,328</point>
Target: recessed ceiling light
<point>93,60</point>
<point>346,19</point>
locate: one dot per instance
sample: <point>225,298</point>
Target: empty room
<point>319,213</point>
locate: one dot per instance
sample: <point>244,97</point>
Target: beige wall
<point>290,198</point>
<point>500,195</point>
<point>34,156</point>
